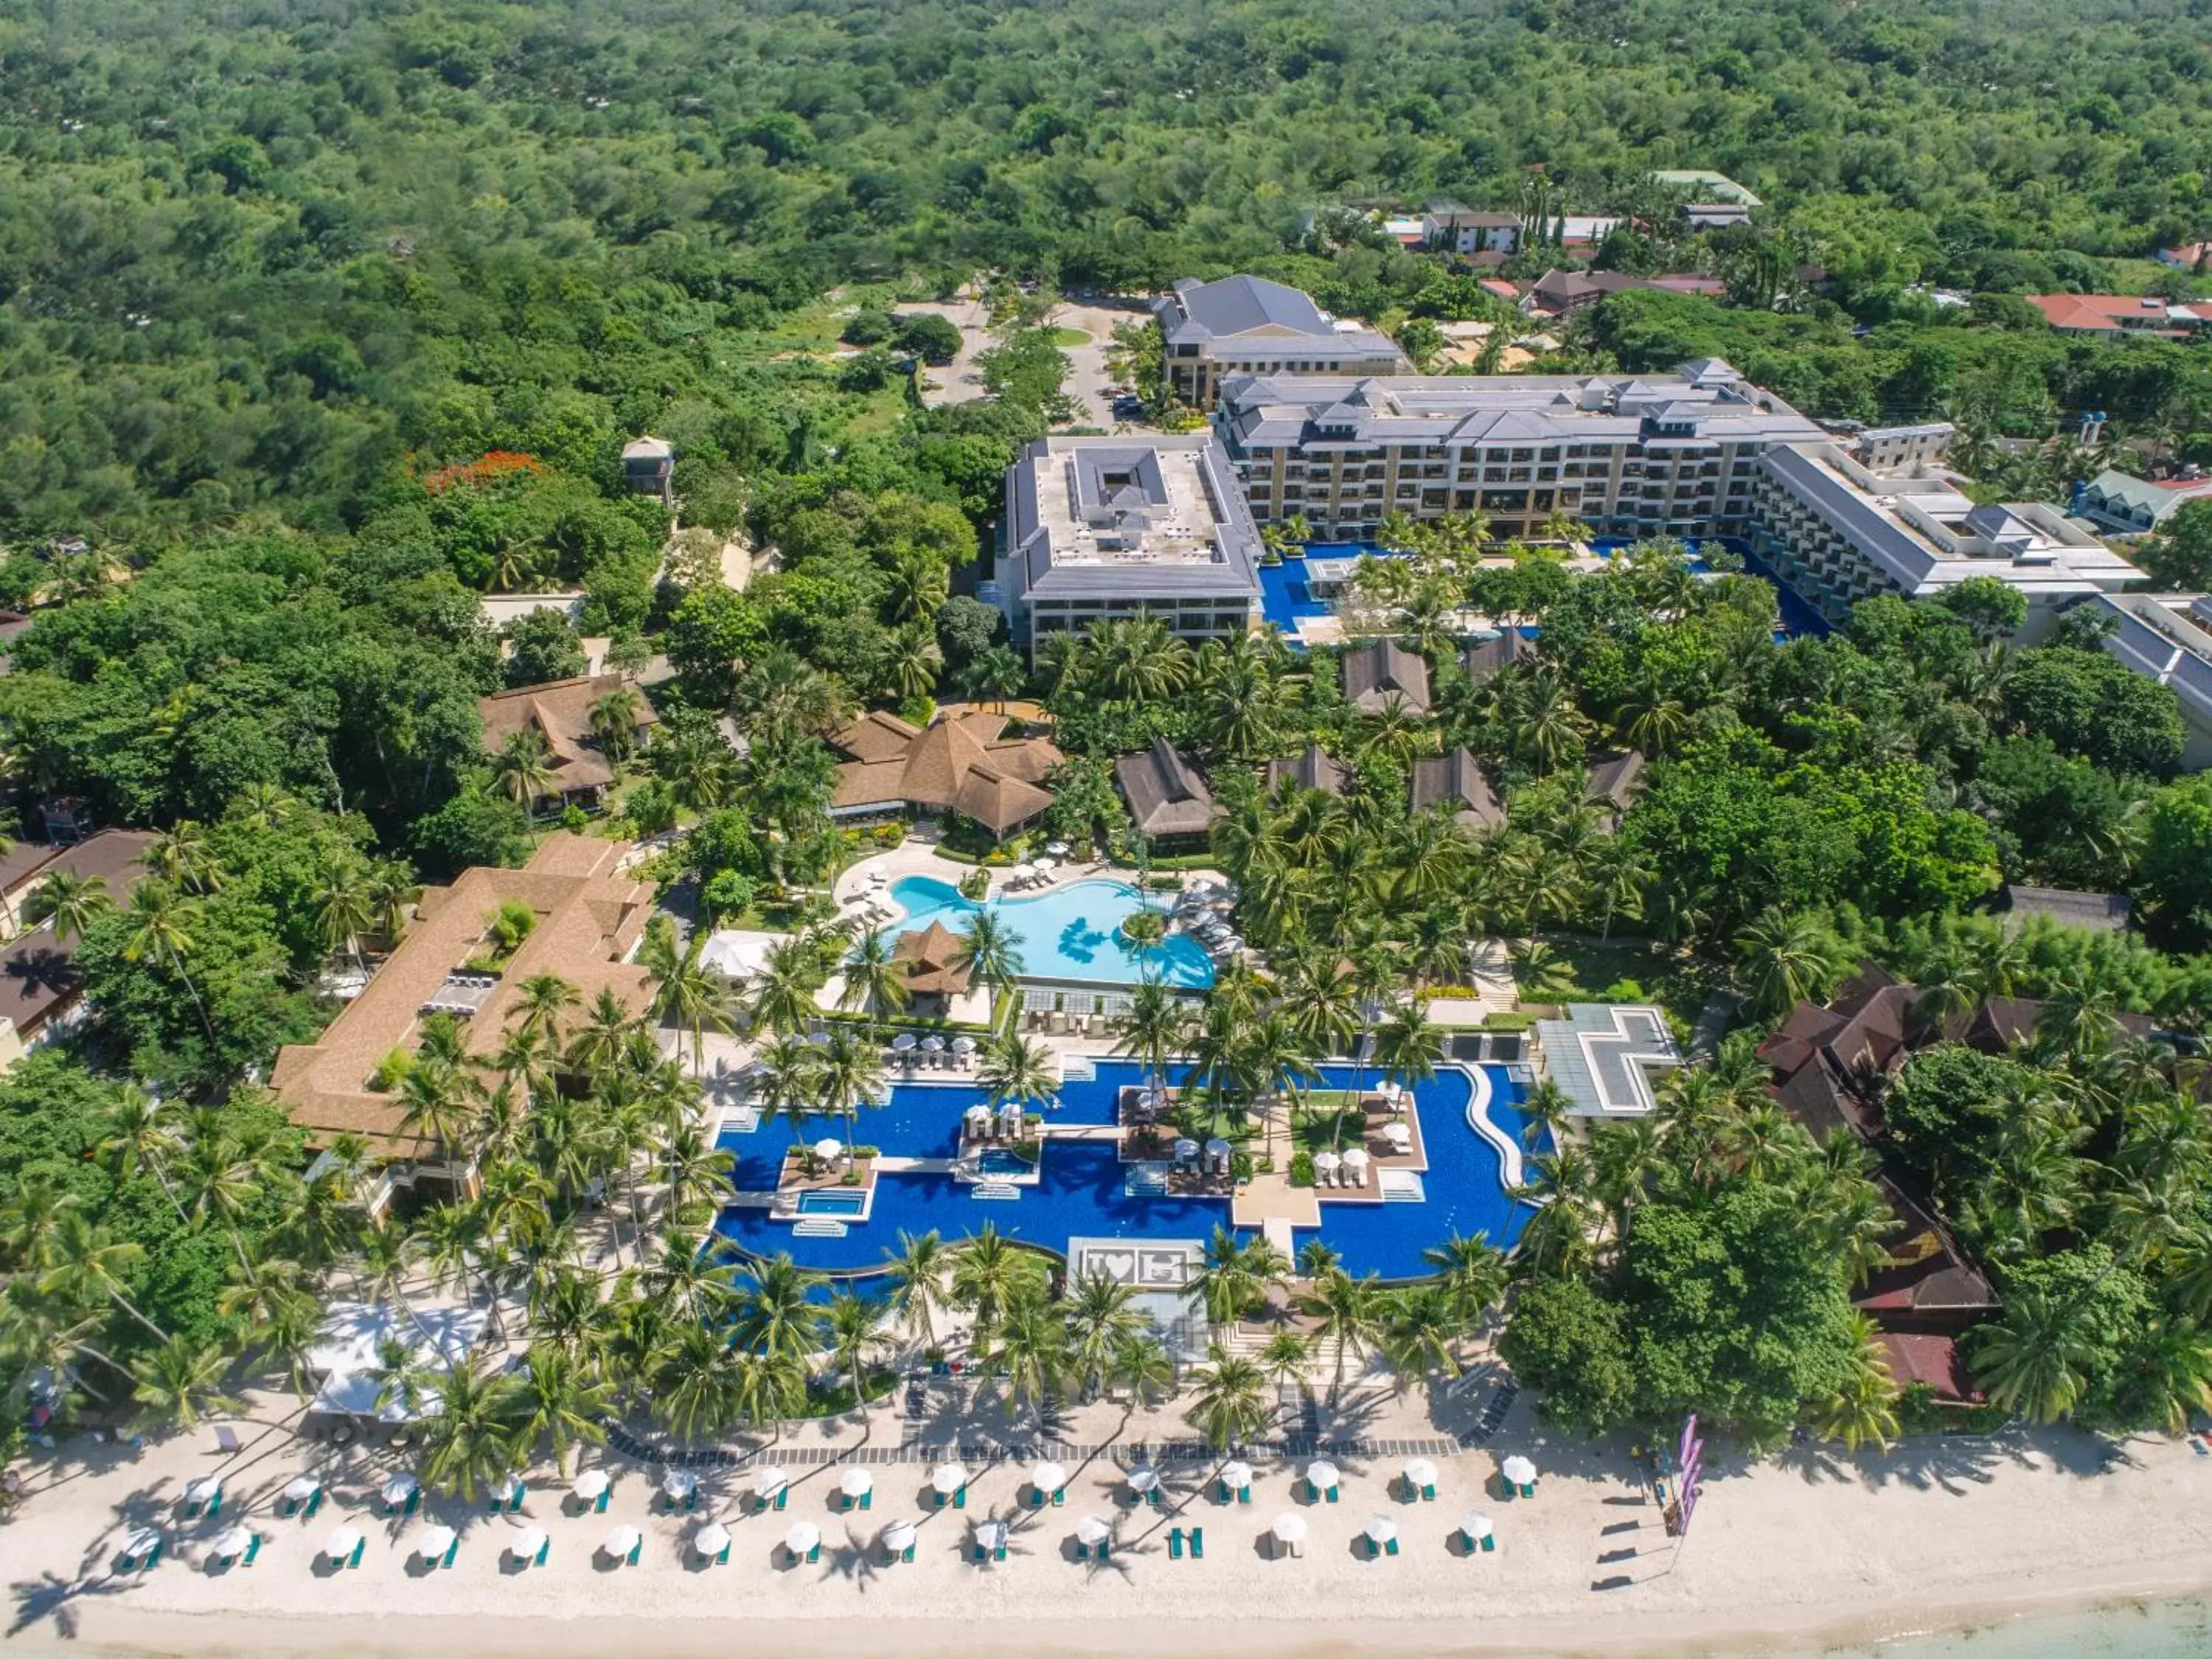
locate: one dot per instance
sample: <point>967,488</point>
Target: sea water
<point>2156,1629</point>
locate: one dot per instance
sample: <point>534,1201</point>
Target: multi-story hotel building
<point>1107,527</point>
<point>1249,325</point>
<point>1629,455</point>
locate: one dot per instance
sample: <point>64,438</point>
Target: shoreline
<point>98,1630</point>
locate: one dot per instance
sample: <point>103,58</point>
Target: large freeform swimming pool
<point>1082,1191</point>
<point>1071,933</point>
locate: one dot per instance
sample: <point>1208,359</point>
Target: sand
<point>1811,1549</point>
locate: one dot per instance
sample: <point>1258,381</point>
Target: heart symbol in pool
<point>1120,1265</point>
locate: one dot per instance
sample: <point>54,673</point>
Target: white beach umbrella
<point>933,1045</point>
<point>829,1148</point>
<point>948,1478</point>
<point>433,1541</point>
<point>1519,1470</point>
<point>205,1489</point>
<point>232,1544</point>
<point>342,1542</point>
<point>1356,1159</point>
<point>141,1540</point>
<point>525,1544</point>
<point>802,1536</point>
<point>508,1489</point>
<point>768,1481</point>
<point>1092,1531</point>
<point>300,1488</point>
<point>621,1541</point>
<point>1047,1478</point>
<point>856,1483</point>
<point>1475,1524</point>
<point>991,1534</point>
<point>964,1045</point>
<point>1236,1473</point>
<point>1046,867</point>
<point>1185,1148</point>
<point>1144,1481</point>
<point>899,1536</point>
<point>712,1538</point>
<point>1289,1526</point>
<point>903,1042</point>
<point>588,1484</point>
<point>979,1113</point>
<point>1399,1134</point>
<point>399,1489</point>
<point>679,1484</point>
<point>1419,1472</point>
<point>1325,1162</point>
<point>1380,1528</point>
<point>1322,1474</point>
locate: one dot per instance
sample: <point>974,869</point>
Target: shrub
<point>1302,1170</point>
<point>392,1071</point>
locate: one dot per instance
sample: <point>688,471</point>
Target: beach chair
<point>1037,1500</point>
<point>814,1554</point>
<point>314,1503</point>
<point>722,1556</point>
<point>1197,1543</point>
<point>1175,1543</point>
<point>980,1555</point>
<point>1389,1546</point>
<point>1489,1542</point>
<point>1103,1546</point>
<point>907,1555</point>
<point>514,1504</point>
<point>599,1504</point>
<point>1081,1551</point>
<point>636,1550</point>
<point>960,1498</point>
<point>782,1496</point>
<point>454,1549</point>
<point>1244,1494</point>
<point>546,1549</point>
<point>868,1499</point>
<point>415,1501</point>
<point>998,1553</point>
<point>1527,1488</point>
<point>252,1549</point>
<point>1429,1494</point>
<point>354,1560</point>
<point>1058,1497</point>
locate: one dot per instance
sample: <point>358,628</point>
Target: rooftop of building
<point>588,919</point>
<point>1166,794</point>
<point>1244,312</point>
<point>1603,1056</point>
<point>1102,516</point>
<point>2146,313</point>
<point>1927,533</point>
<point>561,712</point>
<point>1703,401</point>
<point>960,763</point>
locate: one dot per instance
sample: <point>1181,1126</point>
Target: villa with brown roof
<point>1382,670</point>
<point>931,960</point>
<point>1317,768</point>
<point>1167,799</point>
<point>959,764</point>
<point>40,990</point>
<point>559,711</point>
<point>1455,782</point>
<point>588,919</point>
<point>1494,656</point>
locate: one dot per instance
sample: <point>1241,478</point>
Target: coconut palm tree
<point>522,767</point>
<point>874,979</point>
<point>2034,1360</point>
<point>1422,1329</point>
<point>1789,957</point>
<point>694,1397</point>
<point>1231,1399</point>
<point>1017,1070</point>
<point>1235,1275</point>
<point>71,903</point>
<point>989,1272</point>
<point>472,1434</point>
<point>1028,1347</point>
<point>687,993</point>
<point>1157,1024</point>
<point>783,999</point>
<point>343,911</point>
<point>87,1265</point>
<point>1101,1315</point>
<point>558,1401</point>
<point>1471,1273</point>
<point>142,1136</point>
<point>848,1073</point>
<point>853,1336</point>
<point>614,721</point>
<point>184,858</point>
<point>1862,1407</point>
<point>1349,1314</point>
<point>392,891</point>
<point>917,1270</point>
<point>772,1315</point>
<point>160,923</point>
<point>989,951</point>
<point>179,1385</point>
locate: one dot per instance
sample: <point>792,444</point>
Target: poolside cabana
<point>930,959</point>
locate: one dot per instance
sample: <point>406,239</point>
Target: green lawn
<point>1066,338</point>
<point>1628,973</point>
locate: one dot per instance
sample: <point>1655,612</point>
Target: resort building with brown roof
<point>588,919</point>
<point>559,711</point>
<point>1317,768</point>
<point>932,960</point>
<point>1382,673</point>
<point>1455,782</point>
<point>40,990</point>
<point>1167,799</point>
<point>960,763</point>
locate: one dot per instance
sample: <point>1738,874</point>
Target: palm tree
<point>783,991</point>
<point>542,1001</point>
<point>989,1271</point>
<point>392,891</point>
<point>874,977</point>
<point>848,1073</point>
<point>1286,1357</point>
<point>852,1329</point>
<point>687,993</point>
<point>1015,1069</point>
<point>160,922</point>
<point>1862,1407</point>
<point>1157,1024</point>
<point>184,858</point>
<point>89,1266</point>
<point>436,1104</point>
<point>693,1397</point>
<point>1422,1329</point>
<point>2034,1360</point>
<point>1234,1276</point>
<point>472,1434</point>
<point>342,907</point>
<point>557,1401</point>
<point>989,951</point>
<point>1101,1315</point>
<point>917,1270</point>
<point>774,1314</point>
<point>142,1134</point>
<point>1231,1404</point>
<point>1471,1273</point>
<point>614,722</point>
<point>179,1384</point>
<point>1028,1346</point>
<point>915,660</point>
<point>2173,1379</point>
<point>1349,1312</point>
<point>522,767</point>
<point>1788,957</point>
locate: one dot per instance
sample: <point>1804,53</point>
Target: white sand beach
<point>1811,1549</point>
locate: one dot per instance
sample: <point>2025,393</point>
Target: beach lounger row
<point>1197,1543</point>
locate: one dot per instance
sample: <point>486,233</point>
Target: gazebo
<point>930,959</point>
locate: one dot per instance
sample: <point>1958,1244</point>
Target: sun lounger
<point>354,1560</point>
<point>1058,1497</point>
<point>636,1550</point>
<point>1429,1494</point>
<point>960,1498</point>
<point>415,1500</point>
<point>907,1554</point>
<point>1197,1543</point>
<point>722,1556</point>
<point>252,1549</point>
<point>1389,1546</point>
<point>546,1549</point>
<point>454,1549</point>
<point>599,1505</point>
<point>1157,1498</point>
<point>1527,1488</point>
<point>1175,1543</point>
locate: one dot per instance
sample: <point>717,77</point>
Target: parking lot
<point>960,381</point>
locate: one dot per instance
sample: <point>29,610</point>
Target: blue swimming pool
<point>1071,933</point>
<point>1081,1192</point>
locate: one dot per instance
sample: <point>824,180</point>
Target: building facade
<point>1629,455</point>
<point>1249,325</point>
<point>2167,637</point>
<point>2120,504</point>
<point>1102,528</point>
<point>1839,531</point>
